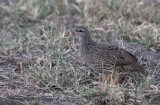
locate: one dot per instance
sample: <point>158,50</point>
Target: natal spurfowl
<point>104,57</point>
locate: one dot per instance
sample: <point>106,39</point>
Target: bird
<point>104,57</point>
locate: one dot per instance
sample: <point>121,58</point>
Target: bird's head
<point>80,31</point>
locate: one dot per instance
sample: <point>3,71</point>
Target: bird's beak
<point>73,32</point>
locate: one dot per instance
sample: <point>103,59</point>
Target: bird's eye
<point>80,30</point>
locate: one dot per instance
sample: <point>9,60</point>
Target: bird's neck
<point>86,41</point>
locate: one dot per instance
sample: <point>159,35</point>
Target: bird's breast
<point>86,54</point>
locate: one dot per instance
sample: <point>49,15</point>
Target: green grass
<point>38,54</point>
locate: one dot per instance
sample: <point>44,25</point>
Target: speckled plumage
<point>104,57</point>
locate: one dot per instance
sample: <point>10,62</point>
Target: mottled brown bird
<point>103,57</point>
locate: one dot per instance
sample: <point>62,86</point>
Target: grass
<point>38,56</point>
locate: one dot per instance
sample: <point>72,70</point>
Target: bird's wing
<point>114,54</point>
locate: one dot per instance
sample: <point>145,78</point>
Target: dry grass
<point>38,56</point>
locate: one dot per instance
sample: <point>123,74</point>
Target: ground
<point>39,58</point>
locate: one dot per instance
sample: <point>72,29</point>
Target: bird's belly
<point>97,64</point>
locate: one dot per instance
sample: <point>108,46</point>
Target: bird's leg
<point>117,79</point>
<point>108,79</point>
